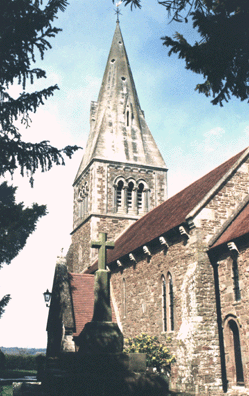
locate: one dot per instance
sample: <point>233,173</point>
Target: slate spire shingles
<point>118,130</point>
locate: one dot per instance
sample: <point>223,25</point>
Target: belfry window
<point>119,193</point>
<point>83,201</point>
<point>236,288</point>
<point>140,197</point>
<point>129,195</point>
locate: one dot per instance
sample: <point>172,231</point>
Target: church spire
<point>122,174</point>
<point>118,130</point>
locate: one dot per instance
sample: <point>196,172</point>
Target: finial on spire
<point>117,10</point>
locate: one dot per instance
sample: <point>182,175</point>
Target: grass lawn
<point>7,391</point>
<point>17,373</point>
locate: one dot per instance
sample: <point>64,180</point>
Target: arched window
<point>129,195</point>
<point>233,353</point>
<point>83,200</point>
<point>119,194</point>
<point>140,200</point>
<point>167,303</point>
<point>171,302</point>
<point>236,288</point>
<point>164,306</point>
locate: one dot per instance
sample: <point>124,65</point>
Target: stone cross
<point>102,305</point>
<point>102,245</point>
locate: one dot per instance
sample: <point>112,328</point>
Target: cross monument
<point>102,305</point>
<point>102,245</point>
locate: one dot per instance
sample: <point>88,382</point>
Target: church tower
<point>122,175</point>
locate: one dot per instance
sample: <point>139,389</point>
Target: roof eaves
<point>217,186</point>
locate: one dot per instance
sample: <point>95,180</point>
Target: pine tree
<point>26,28</point>
<point>221,55</point>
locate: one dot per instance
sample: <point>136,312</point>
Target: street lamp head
<point>47,297</point>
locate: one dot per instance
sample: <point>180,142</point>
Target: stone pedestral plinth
<point>100,338</point>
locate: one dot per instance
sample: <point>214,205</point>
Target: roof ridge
<point>231,170</point>
<point>229,221</point>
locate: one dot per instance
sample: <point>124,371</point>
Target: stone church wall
<point>235,310</point>
<point>138,293</point>
<point>194,340</point>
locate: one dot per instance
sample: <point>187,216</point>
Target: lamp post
<point>47,297</point>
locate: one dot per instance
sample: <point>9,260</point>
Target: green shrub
<point>21,362</point>
<point>157,355</point>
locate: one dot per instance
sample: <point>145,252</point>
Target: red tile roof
<point>239,227</point>
<point>82,291</point>
<point>169,214</point>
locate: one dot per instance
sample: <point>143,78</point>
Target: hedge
<point>21,362</point>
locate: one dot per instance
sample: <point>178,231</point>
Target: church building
<point>180,266</point>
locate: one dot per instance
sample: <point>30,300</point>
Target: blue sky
<point>193,136</point>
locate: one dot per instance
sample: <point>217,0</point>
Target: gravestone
<point>101,335</point>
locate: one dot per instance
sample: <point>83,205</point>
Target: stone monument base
<point>99,375</point>
<point>100,338</point>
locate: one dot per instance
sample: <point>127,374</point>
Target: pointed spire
<point>118,130</point>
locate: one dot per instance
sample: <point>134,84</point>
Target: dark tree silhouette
<point>221,55</point>
<point>26,29</point>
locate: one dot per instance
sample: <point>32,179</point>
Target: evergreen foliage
<point>16,223</point>
<point>221,55</point>
<point>26,28</point>
<point>157,355</point>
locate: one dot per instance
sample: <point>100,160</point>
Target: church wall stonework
<point>81,248</point>
<point>235,310</point>
<point>194,340</point>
